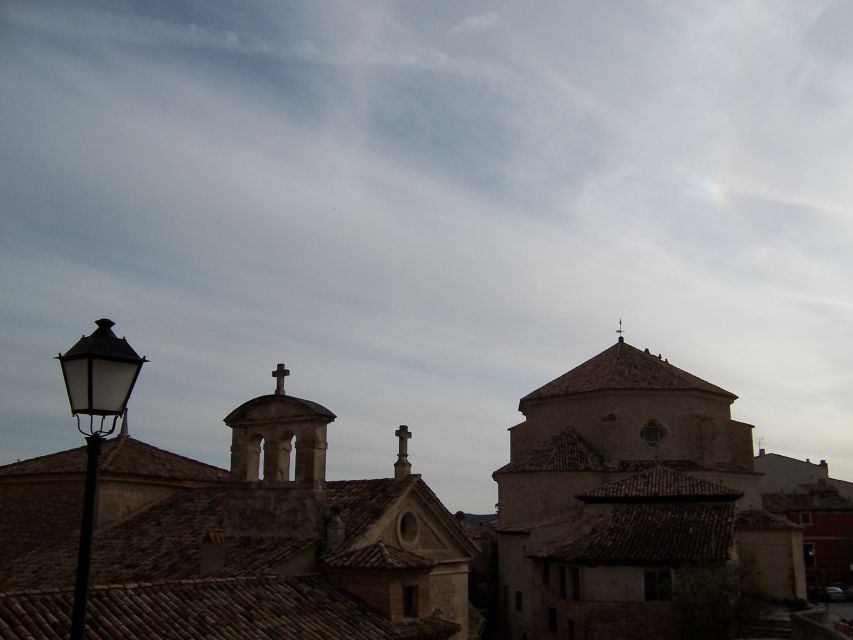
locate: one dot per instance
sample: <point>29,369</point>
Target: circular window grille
<point>652,433</point>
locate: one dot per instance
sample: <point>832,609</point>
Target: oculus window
<point>652,433</point>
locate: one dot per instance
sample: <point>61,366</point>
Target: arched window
<point>652,433</point>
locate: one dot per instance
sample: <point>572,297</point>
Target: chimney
<point>761,451</point>
<point>212,552</point>
<point>336,530</point>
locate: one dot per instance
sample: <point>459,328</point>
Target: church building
<point>625,470</point>
<point>263,550</point>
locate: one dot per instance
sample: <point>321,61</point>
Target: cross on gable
<point>280,374</point>
<point>403,432</point>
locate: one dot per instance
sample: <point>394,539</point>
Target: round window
<point>652,433</point>
<point>408,528</point>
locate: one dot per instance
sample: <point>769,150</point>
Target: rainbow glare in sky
<point>716,192</point>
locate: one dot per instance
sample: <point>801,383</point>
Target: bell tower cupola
<point>278,426</point>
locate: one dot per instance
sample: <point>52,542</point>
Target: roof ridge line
<point>119,441</point>
<point>146,584</point>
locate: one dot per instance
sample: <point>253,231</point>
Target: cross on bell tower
<point>402,467</point>
<point>280,374</point>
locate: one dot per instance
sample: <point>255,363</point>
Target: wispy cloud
<point>475,24</point>
<point>425,226</point>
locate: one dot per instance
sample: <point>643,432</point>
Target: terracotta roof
<point>163,541</point>
<point>159,543</point>
<point>816,501</point>
<point>567,451</point>
<point>756,520</point>
<point>363,501</point>
<point>253,556</point>
<point>37,515</point>
<point>661,484</point>
<point>378,556</point>
<point>309,408</point>
<point>119,455</point>
<point>623,367</point>
<point>635,466</point>
<point>821,487</point>
<point>652,534</point>
<point>529,525</point>
<point>307,608</point>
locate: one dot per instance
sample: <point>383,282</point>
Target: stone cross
<point>402,467</point>
<point>279,374</point>
<point>403,434</point>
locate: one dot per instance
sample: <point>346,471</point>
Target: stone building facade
<point>624,470</point>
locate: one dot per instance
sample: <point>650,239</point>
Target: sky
<point>426,210</point>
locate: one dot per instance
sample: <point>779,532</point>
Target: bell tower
<point>276,424</point>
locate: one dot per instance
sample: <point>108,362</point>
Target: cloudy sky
<point>426,210</point>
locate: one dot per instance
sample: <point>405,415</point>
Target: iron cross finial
<point>280,374</point>
<point>620,330</point>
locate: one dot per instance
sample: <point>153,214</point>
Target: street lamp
<point>99,371</point>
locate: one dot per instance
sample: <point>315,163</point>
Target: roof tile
<point>652,533</point>
<point>120,455</point>
<point>214,608</point>
<point>567,451</point>
<point>623,367</point>
<point>660,484</point>
<point>757,520</point>
<point>378,556</point>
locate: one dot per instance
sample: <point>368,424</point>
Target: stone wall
<point>777,559</point>
<point>698,426</point>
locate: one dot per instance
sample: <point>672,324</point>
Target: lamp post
<point>99,372</point>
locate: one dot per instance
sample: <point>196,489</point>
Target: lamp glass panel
<point>111,382</point>
<point>76,374</point>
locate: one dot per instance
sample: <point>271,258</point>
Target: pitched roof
<point>757,520</point>
<point>567,451</point>
<point>574,514</point>
<point>362,502</point>
<point>378,556</point>
<point>813,501</point>
<point>119,455</point>
<point>661,484</point>
<point>159,543</point>
<point>651,534</point>
<point>218,608</point>
<point>163,542</point>
<point>37,515</point>
<point>623,367</point>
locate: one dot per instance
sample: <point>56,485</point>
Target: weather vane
<point>620,331</point>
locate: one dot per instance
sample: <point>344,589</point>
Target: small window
<point>563,582</point>
<point>546,572</point>
<point>552,620</point>
<point>576,583</point>
<point>652,433</point>
<point>809,555</point>
<point>658,585</point>
<point>570,629</point>
<point>410,601</point>
<point>519,601</point>
<point>805,518</point>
